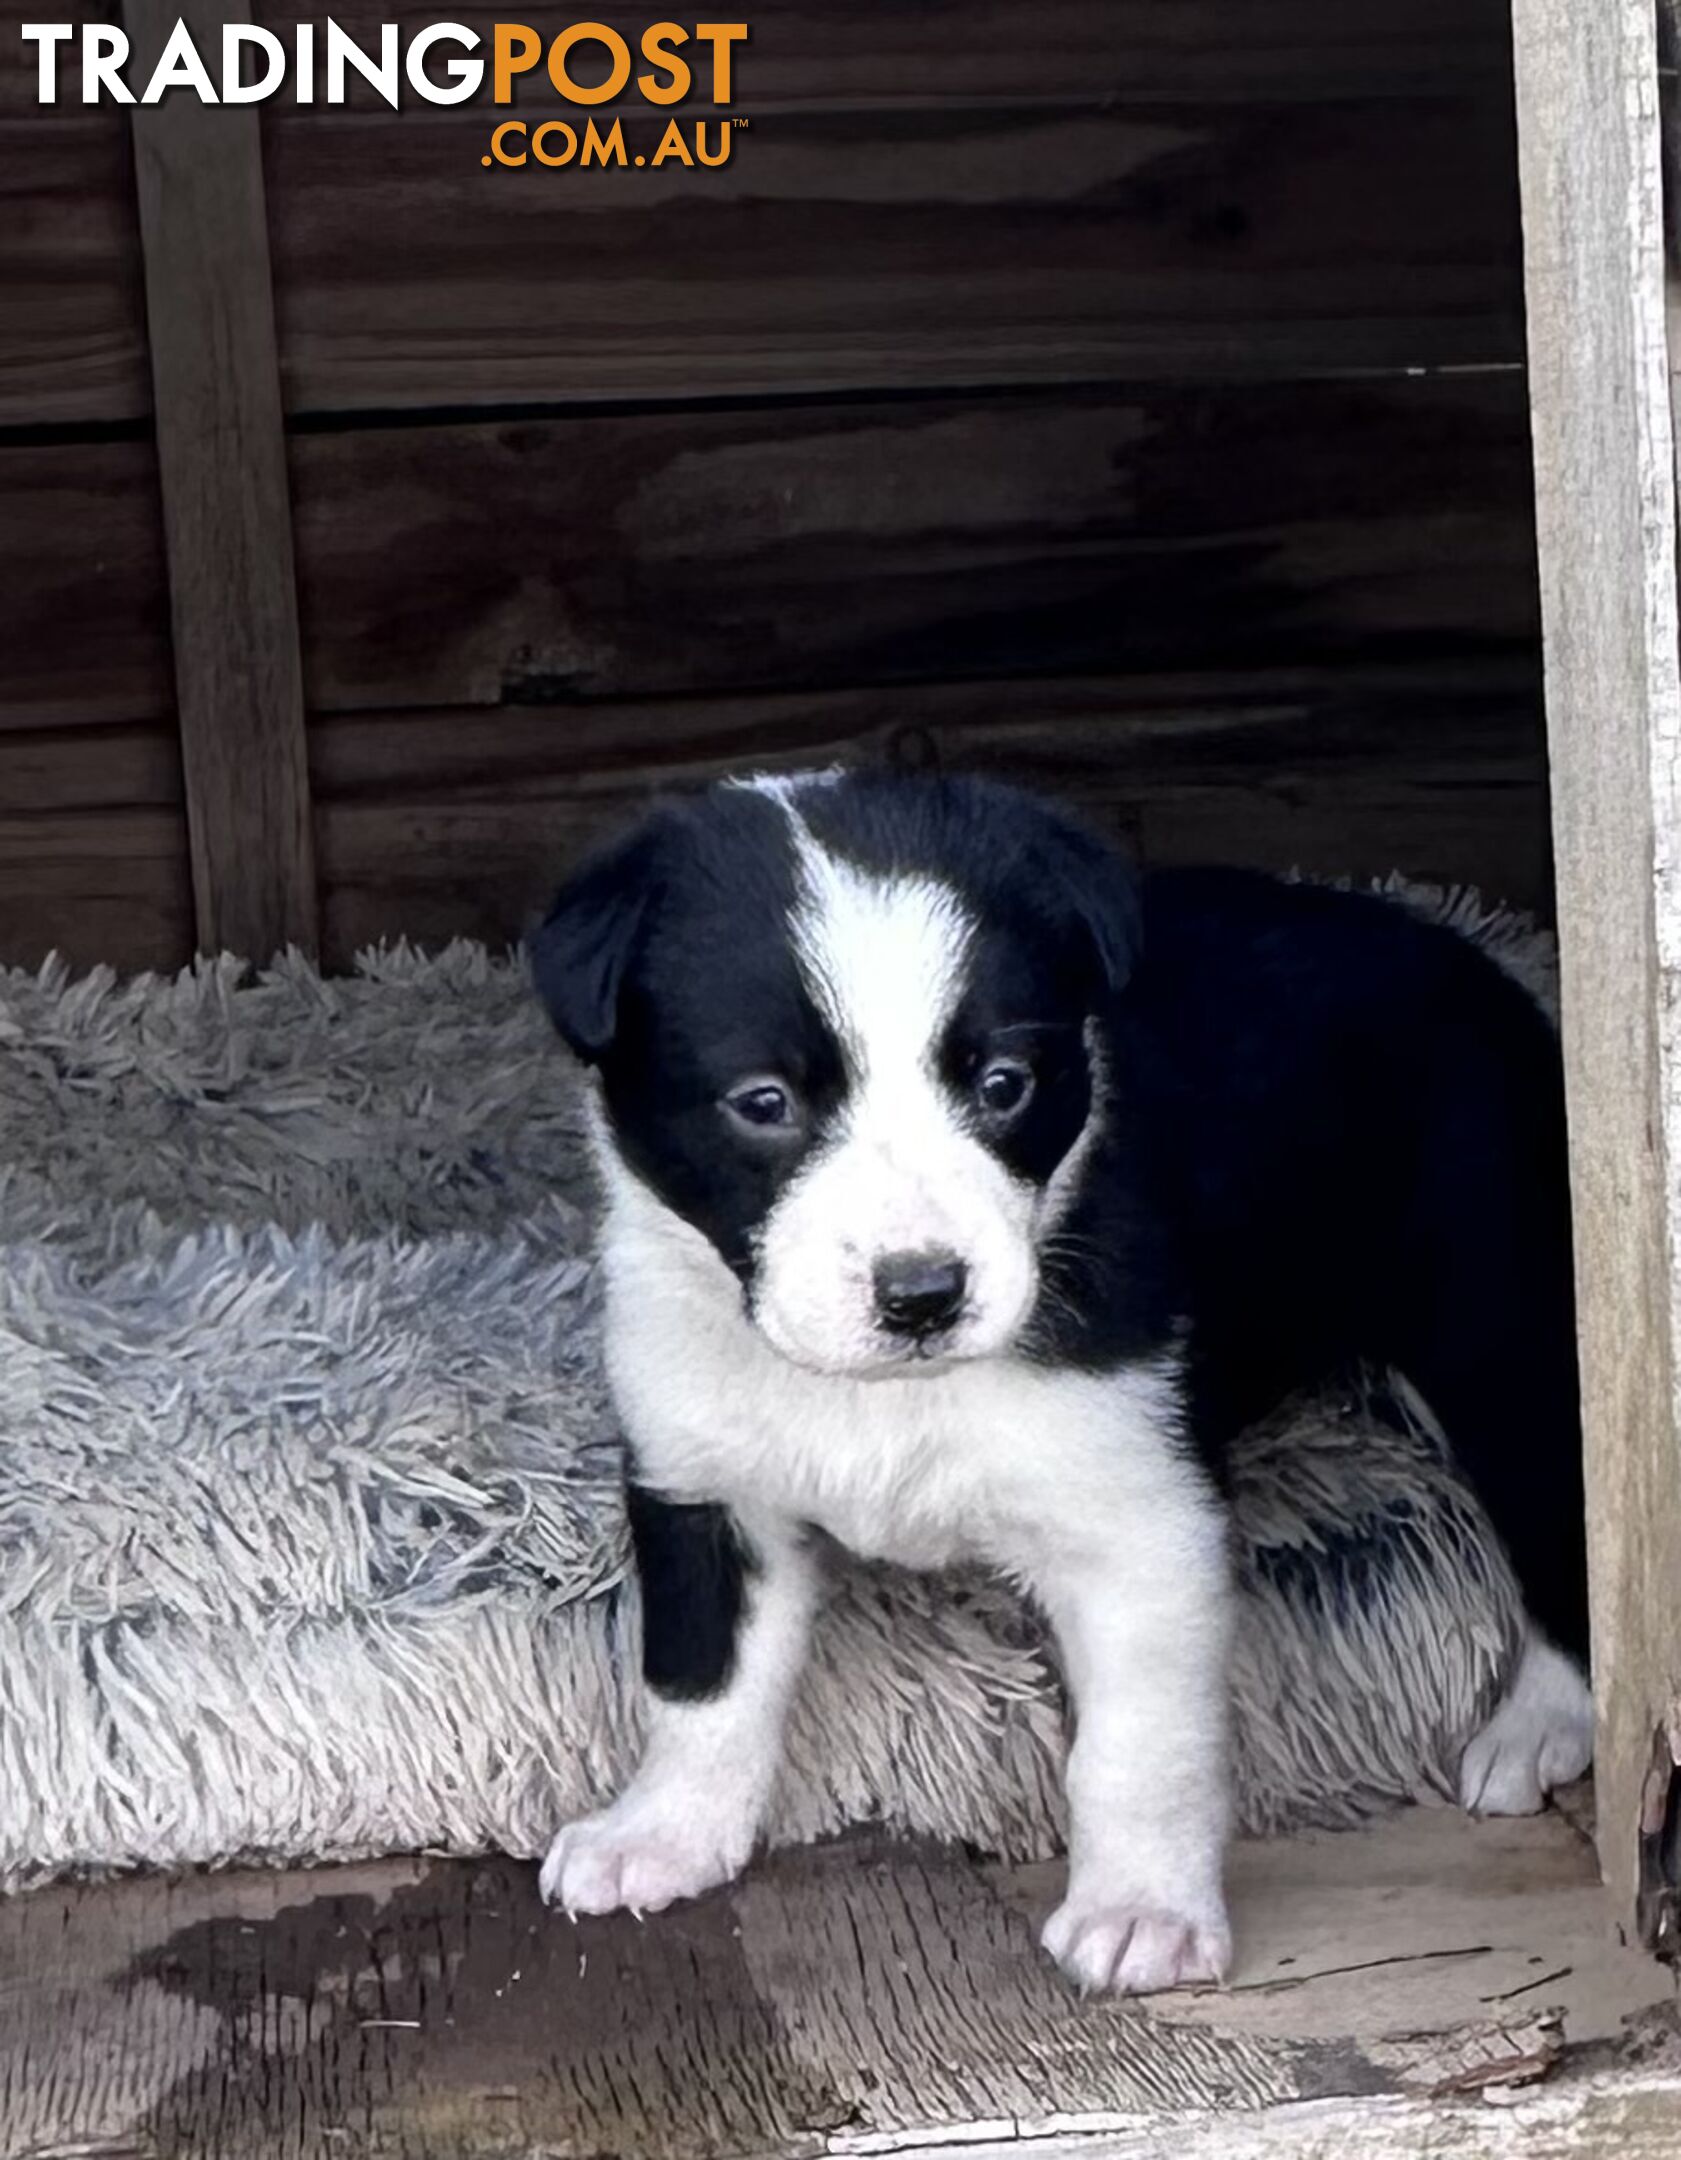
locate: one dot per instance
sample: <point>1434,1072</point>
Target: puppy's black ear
<point>1101,887</point>
<point>582,947</point>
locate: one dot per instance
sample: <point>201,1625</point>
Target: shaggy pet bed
<point>310,1535</point>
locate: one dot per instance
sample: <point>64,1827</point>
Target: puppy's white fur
<point>1540,1737</point>
<point>883,961</point>
<point>1076,1484</point>
<point>689,1820</point>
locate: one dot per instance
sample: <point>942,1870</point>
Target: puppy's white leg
<point>1540,1736</point>
<point>1144,1628</point>
<point>691,1815</point>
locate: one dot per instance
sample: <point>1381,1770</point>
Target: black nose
<point>918,1293</point>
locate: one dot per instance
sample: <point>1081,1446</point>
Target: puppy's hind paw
<point>1540,1736</point>
<point>1132,1947</point>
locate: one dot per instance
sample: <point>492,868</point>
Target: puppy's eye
<point>763,1106</point>
<point>1003,1088</point>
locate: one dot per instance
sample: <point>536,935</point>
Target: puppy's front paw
<point>638,1859</point>
<point>1136,1946</point>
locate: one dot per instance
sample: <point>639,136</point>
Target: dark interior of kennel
<point>1126,394</point>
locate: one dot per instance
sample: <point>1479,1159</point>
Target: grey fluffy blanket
<point>310,1538</point>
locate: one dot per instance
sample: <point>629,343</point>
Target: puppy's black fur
<point>1359,1122</point>
<point>693,1565</point>
<point>1330,1131</point>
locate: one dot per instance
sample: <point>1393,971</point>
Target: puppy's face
<point>846,1029</point>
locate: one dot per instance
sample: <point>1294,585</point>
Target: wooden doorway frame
<point>1601,311</point>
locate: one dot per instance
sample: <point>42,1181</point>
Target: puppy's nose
<point>919,1293</point>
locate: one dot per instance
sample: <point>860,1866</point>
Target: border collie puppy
<point>966,1196</point>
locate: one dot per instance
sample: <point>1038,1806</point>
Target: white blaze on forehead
<point>785,788</point>
<point>882,957</point>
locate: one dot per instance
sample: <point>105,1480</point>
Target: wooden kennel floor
<point>1429,1985</point>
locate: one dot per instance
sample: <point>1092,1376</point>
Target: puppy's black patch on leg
<point>693,1564</point>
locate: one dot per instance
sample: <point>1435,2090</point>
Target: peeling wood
<point>1658,1917</point>
<point>1605,2118</point>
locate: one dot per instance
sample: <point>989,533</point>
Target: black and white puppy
<point>966,1196</point>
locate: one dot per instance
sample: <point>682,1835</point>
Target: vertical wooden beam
<point>1590,162</point>
<point>227,518</point>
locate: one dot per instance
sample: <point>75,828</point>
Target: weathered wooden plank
<point>957,244</point>
<point>72,328</point>
<point>1620,2115</point>
<point>906,51</point>
<point>623,555</point>
<point>104,885</point>
<point>844,2000</point>
<point>227,519</point>
<point>1046,191</point>
<point>630,556</point>
<point>1026,49</point>
<point>900,246</point>
<point>95,768</point>
<point>93,848</point>
<point>1421,1923</point>
<point>438,824</point>
<point>84,605</point>
<point>1606,498</point>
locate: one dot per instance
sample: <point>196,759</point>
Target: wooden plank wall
<point>1124,393</point>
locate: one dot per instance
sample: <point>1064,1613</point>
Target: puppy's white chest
<point>990,1459</point>
<point>896,1480</point>
<point>899,1469</point>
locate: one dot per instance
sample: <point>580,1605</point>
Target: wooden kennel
<point>1130,395</point>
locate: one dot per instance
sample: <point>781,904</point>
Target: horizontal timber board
<point>857,247</point>
<point>101,884</point>
<point>93,847</point>
<point>628,556</point>
<point>635,555</point>
<point>432,825</point>
<point>84,603</point>
<point>72,304</point>
<point>875,249</point>
<point>50,771</point>
<point>908,49</point>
